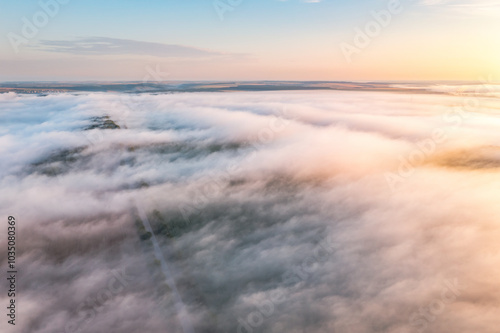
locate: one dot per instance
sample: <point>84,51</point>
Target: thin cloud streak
<point>115,46</point>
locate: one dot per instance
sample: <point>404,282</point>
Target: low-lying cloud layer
<point>334,211</point>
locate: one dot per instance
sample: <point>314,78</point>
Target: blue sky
<point>258,39</point>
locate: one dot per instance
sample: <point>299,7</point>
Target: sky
<point>75,40</point>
